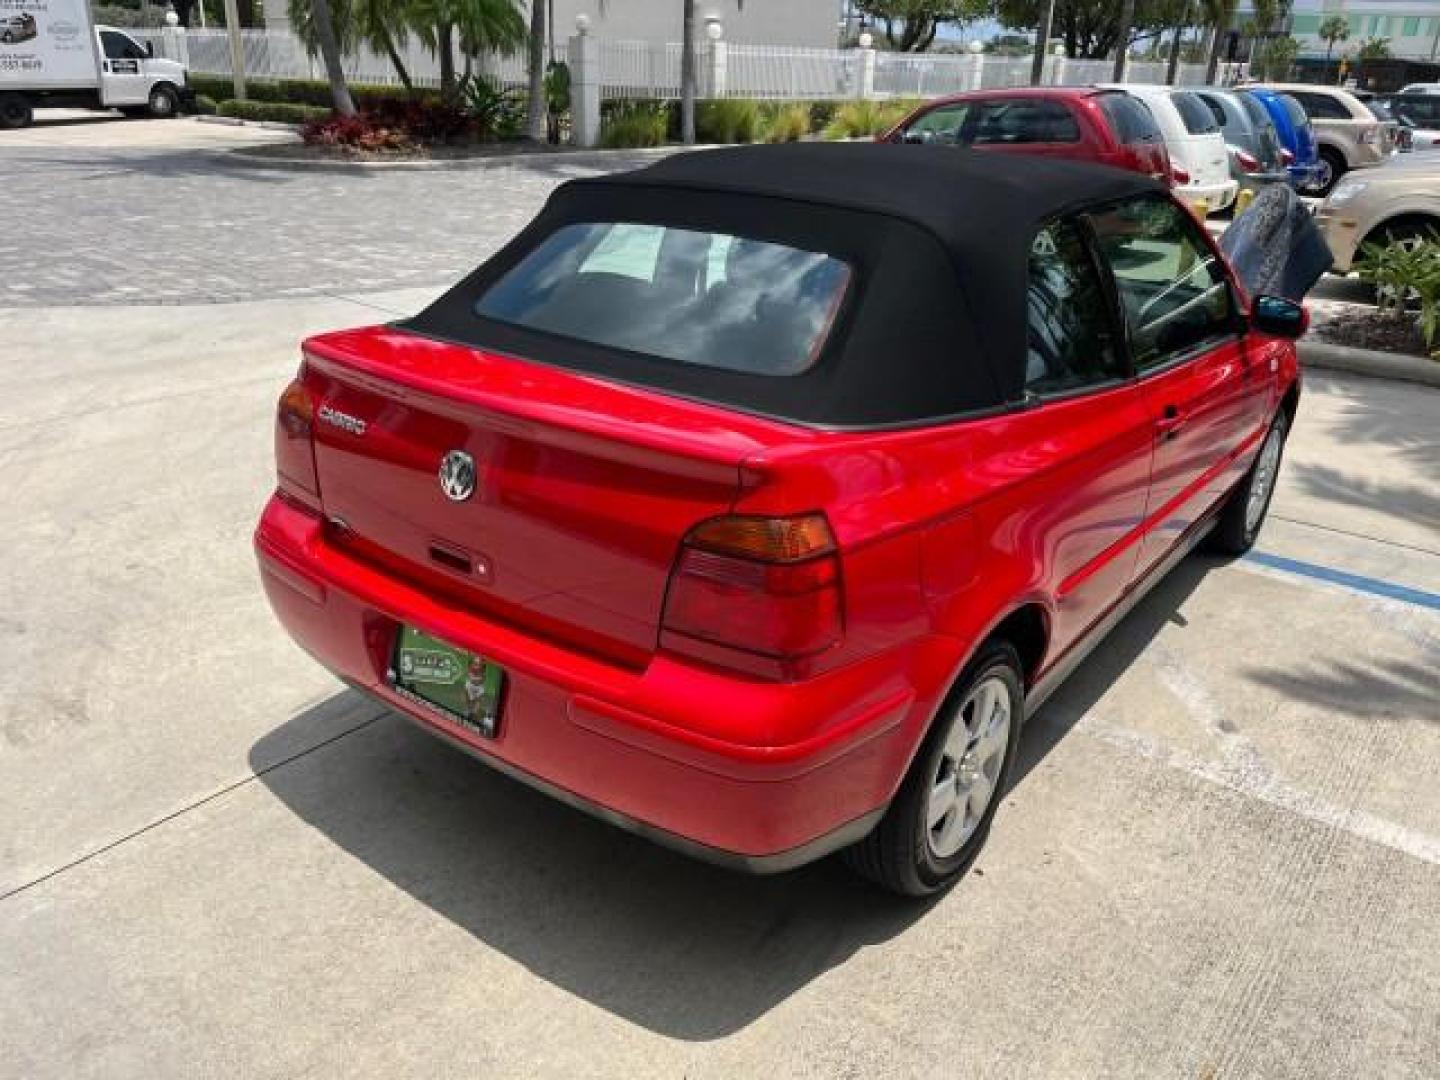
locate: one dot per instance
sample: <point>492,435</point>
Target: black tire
<point>164,102</point>
<point>15,111</point>
<point>1338,168</point>
<point>1235,531</point>
<point>898,855</point>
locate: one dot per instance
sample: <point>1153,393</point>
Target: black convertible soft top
<point>935,325</point>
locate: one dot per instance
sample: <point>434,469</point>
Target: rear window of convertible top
<point>703,298</point>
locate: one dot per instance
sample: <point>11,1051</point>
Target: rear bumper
<point>1217,196</point>
<point>637,747</point>
<point>1260,181</point>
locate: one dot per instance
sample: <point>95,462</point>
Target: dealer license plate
<point>449,681</point>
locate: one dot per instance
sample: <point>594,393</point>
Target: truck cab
<point>59,60</point>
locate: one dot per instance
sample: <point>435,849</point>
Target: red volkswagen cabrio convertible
<point>753,499</point>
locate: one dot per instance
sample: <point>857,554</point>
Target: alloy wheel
<point>967,772</point>
<point>1267,466</point>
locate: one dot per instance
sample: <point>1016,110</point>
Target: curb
<point>597,158</point>
<point>1370,363</point>
<point>235,121</point>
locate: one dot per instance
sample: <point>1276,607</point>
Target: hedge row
<point>278,111</point>
<point>631,123</point>
<point>313,92</point>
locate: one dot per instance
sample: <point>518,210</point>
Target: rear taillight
<point>1286,157</point>
<point>755,593</point>
<point>1248,162</point>
<point>1179,175</point>
<point>295,445</point>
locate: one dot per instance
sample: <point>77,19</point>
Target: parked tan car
<point>1399,201</point>
<point>1349,135</point>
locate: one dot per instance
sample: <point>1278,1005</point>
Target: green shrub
<point>821,113</point>
<point>864,119</point>
<point>727,120</point>
<point>636,124</point>
<point>1405,273</point>
<point>217,87</point>
<point>315,92</point>
<point>495,111</point>
<point>275,111</point>
<point>788,122</point>
<point>204,105</point>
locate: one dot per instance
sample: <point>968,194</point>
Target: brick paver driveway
<point>146,224</point>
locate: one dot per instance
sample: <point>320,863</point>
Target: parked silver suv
<point>1349,135</point>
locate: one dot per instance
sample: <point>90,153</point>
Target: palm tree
<point>1335,28</point>
<point>1219,14</point>
<point>381,24</point>
<point>1122,40</point>
<point>535,114</point>
<point>476,26</point>
<point>330,50</point>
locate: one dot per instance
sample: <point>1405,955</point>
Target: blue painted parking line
<point>1360,582</point>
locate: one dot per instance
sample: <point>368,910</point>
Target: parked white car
<point>1421,88</point>
<point>1198,155</point>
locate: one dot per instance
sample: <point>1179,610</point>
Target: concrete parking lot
<point>1220,856</point>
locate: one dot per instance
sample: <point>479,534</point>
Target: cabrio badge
<point>344,421</point>
<point>457,476</point>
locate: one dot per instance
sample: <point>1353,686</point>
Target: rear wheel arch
<point>1027,630</point>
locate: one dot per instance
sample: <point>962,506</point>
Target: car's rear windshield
<point>1132,121</point>
<point>704,298</point>
<point>1379,109</point>
<point>1255,111</point>
<point>1198,119</point>
<point>1293,109</point>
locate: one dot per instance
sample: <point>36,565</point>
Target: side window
<point>1131,121</point>
<point>1070,339</point>
<point>117,46</point>
<point>120,46</point>
<point>1322,107</point>
<point>939,125</point>
<point>1174,291</point>
<point>1012,121</point>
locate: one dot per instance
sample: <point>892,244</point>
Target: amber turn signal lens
<point>765,539</point>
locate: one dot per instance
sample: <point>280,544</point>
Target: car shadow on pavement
<point>682,948</point>
<point>679,947</point>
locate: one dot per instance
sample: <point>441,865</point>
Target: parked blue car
<point>1293,127</point>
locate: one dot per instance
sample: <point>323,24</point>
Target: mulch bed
<point>1372,330</point>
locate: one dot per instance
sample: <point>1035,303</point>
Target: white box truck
<point>53,56</point>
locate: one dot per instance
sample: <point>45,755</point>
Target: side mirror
<point>150,50</point>
<point>1278,316</point>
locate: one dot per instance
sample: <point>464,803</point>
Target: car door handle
<point>1170,422</point>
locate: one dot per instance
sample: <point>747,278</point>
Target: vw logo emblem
<point>457,476</point>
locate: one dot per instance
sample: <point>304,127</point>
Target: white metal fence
<point>638,69</point>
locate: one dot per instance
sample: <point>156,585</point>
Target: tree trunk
<point>535,115</point>
<point>397,63</point>
<point>445,50</point>
<point>1212,65</point>
<point>330,50</point>
<point>1042,42</point>
<point>1173,69</point>
<point>687,75</point>
<point>1122,41</point>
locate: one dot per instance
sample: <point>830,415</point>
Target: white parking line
<point>1263,785</point>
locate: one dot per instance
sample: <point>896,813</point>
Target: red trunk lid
<point>583,490</point>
